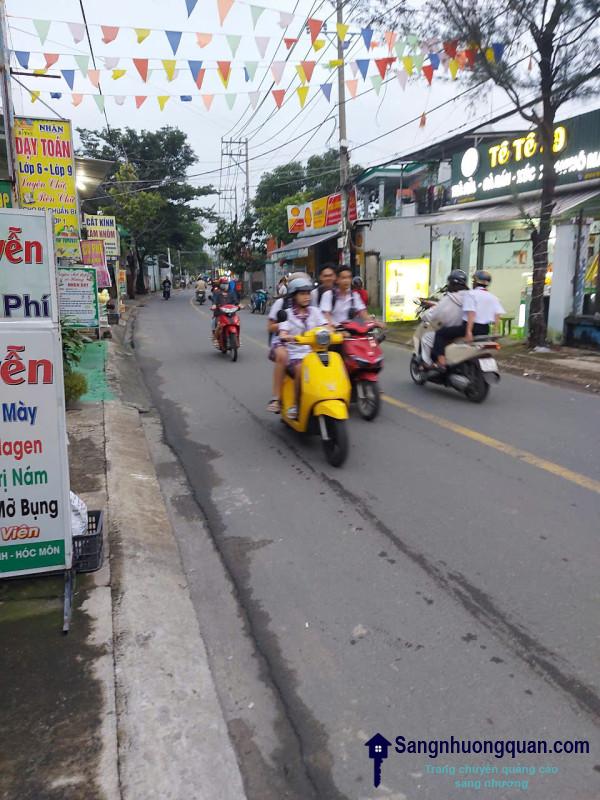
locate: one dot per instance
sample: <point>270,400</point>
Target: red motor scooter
<point>227,332</point>
<point>363,358</point>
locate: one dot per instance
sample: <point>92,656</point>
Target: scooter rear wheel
<point>336,446</point>
<point>415,373</point>
<point>478,388</point>
<point>368,399</point>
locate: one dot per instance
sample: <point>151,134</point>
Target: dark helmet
<point>482,278</point>
<point>457,280</point>
<point>357,282</point>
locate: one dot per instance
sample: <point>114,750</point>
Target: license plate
<point>488,365</point>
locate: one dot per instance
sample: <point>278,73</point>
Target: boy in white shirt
<point>342,302</point>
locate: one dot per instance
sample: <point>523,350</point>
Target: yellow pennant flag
<point>40,71</point>
<point>162,100</point>
<point>118,73</point>
<point>169,65</point>
<point>301,73</point>
<point>453,67</point>
<point>409,64</point>
<point>318,44</point>
<point>302,94</point>
<point>489,54</point>
<point>337,62</point>
<point>142,33</point>
<point>34,95</point>
<point>342,30</point>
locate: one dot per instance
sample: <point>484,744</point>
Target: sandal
<point>292,413</point>
<point>274,406</point>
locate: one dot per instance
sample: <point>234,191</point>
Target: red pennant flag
<point>51,58</point>
<point>428,72</point>
<point>314,26</point>
<point>141,64</point>
<point>109,33</point>
<point>224,68</point>
<point>423,121</point>
<point>200,78</point>
<point>309,68</point>
<point>289,43</point>
<point>278,95</point>
<point>470,55</point>
<point>139,100</point>
<point>383,64</point>
<point>451,47</point>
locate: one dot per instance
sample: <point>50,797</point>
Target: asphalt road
<point>443,582</point>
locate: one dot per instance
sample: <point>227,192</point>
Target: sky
<point>275,136</point>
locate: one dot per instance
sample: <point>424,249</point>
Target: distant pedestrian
<point>282,287</point>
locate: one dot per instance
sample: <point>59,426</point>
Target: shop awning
<point>299,247</point>
<point>563,204</point>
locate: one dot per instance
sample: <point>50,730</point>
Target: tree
<point>562,42</point>
<point>240,244</point>
<point>281,182</point>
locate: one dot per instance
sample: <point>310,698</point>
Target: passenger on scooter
<point>447,313</point>
<point>480,310</point>
<point>327,276</point>
<point>280,305</point>
<point>341,304</point>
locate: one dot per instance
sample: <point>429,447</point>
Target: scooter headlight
<point>323,338</point>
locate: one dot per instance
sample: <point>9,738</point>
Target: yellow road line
<point>501,447</point>
<point>481,438</point>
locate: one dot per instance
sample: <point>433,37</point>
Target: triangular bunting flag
<point>169,66</point>
<point>451,47</point>
<point>363,66</point>
<point>352,87</point>
<point>277,68</point>
<point>141,64</point>
<point>285,19</point>
<point>289,43</point>
<point>207,99</point>
<point>234,43</point>
<point>412,40</point>
<point>377,82</point>
<point>471,55</point>
<point>319,44</point>
<point>190,5</point>
<point>383,64</point>
<point>309,68</point>
<point>354,69</point>
<point>262,43</point>
<point>174,38</point>
<point>230,100</point>
<point>42,27</point>
<point>489,54</point>
<point>142,34</point>
<point>423,120</point>
<point>99,99</point>
<point>39,71</point>
<point>83,63</point>
<point>418,60</point>
<point>120,99</point>
<point>428,72</point>
<point>498,49</point>
<point>34,94</point>
<point>301,73</point>
<point>203,39</point>
<point>162,100</point>
<point>195,69</point>
<point>111,62</point>
<point>56,95</point>
<point>367,35</point>
<point>408,64</point>
<point>253,98</point>
<point>109,33</point>
<point>250,67</point>
<point>118,73</point>
<point>342,30</point>
<point>326,89</point>
<point>76,99</point>
<point>335,63</point>
<point>224,7</point>
<point>51,59</point>
<point>302,94</point>
<point>278,96</point>
<point>402,79</point>
<point>256,12</point>
<point>434,60</point>
<point>185,98</point>
<point>224,71</point>
<point>140,99</point>
<point>314,26</point>
<point>453,65</point>
<point>391,38</point>
<point>22,57</point>
<point>400,48</point>
<point>69,76</point>
<point>94,77</point>
<point>77,31</point>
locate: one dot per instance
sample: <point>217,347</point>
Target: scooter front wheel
<point>335,446</point>
<point>367,399</point>
<point>233,347</point>
<point>415,373</point>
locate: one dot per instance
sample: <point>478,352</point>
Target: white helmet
<point>299,285</point>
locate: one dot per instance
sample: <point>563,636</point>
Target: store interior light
<point>81,182</point>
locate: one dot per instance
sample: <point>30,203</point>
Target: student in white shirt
<point>327,276</point>
<point>345,303</point>
<point>481,309</point>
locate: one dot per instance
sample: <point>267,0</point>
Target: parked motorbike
<point>363,358</point>
<point>200,296</point>
<point>470,368</point>
<point>227,332</point>
<point>324,395</point>
<point>258,301</point>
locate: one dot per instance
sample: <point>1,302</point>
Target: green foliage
<point>75,386</point>
<point>240,244</point>
<point>273,219</point>
<point>73,343</point>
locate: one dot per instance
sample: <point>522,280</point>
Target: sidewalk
<point>124,707</point>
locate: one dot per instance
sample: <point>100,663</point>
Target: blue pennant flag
<point>363,66</point>
<point>56,95</point>
<point>186,98</point>
<point>326,89</point>
<point>498,49</point>
<point>69,76</point>
<point>23,58</point>
<point>367,34</point>
<point>174,38</point>
<point>434,60</point>
<point>190,5</point>
<point>195,67</point>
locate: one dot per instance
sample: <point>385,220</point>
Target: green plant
<point>76,385</point>
<point>73,342</point>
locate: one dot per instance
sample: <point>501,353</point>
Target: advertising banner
<point>27,287</point>
<point>5,195</point>
<point>46,175</point>
<point>78,296</point>
<point>35,526</point>
<point>406,280</point>
<point>101,226</point>
<point>92,255</point>
<point>320,213</point>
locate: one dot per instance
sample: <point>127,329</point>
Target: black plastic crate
<point>88,549</point>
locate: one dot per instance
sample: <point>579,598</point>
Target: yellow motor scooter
<point>324,394</point>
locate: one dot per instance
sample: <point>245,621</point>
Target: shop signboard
<point>104,227</point>
<point>5,195</point>
<point>27,282</point>
<point>46,176</point>
<point>78,297</point>
<point>34,470</point>
<point>92,255</point>
<point>406,280</point>
<point>320,213</point>
<point>513,165</point>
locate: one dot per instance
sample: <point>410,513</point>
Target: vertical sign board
<point>103,227</point>
<point>406,280</point>
<point>46,175</point>
<point>78,297</point>
<point>93,255</point>
<point>35,526</point>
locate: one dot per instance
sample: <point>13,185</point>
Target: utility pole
<point>7,105</point>
<point>344,160</point>
<point>234,155</point>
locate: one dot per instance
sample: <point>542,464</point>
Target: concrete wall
<point>397,237</point>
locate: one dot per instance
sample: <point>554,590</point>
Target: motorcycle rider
<point>447,313</point>
<point>357,286</point>
<point>201,284</point>
<point>222,297</point>
<point>327,277</point>
<point>166,285</point>
<point>480,309</point>
<point>342,303</point>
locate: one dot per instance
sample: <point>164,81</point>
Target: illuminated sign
<point>510,166</point>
